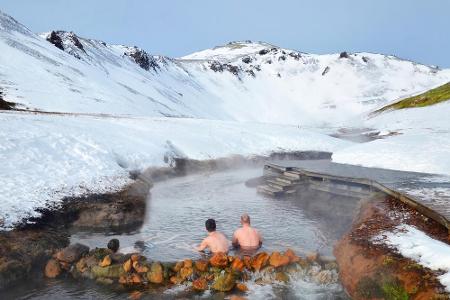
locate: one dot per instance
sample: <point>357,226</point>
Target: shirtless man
<point>215,241</point>
<point>247,237</point>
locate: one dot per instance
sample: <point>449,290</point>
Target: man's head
<point>210,225</point>
<point>245,219</point>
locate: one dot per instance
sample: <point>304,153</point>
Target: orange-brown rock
<point>200,284</point>
<point>259,261</point>
<point>135,278</point>
<point>135,257</point>
<point>237,264</point>
<point>201,265</point>
<point>293,258</point>
<point>278,260</point>
<point>123,279</point>
<point>247,262</point>
<point>81,265</point>
<point>187,263</point>
<point>127,265</point>
<point>186,272</point>
<point>219,260</point>
<point>178,266</point>
<point>368,271</point>
<point>173,279</point>
<point>140,267</point>
<point>52,269</point>
<point>106,261</point>
<point>156,273</point>
<point>65,265</point>
<point>242,287</point>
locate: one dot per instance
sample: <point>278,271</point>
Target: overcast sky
<point>413,29</point>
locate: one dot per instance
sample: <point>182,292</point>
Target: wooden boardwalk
<point>427,193</point>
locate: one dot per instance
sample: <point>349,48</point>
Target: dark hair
<point>210,225</point>
<point>113,245</point>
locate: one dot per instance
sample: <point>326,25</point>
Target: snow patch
<point>416,245</point>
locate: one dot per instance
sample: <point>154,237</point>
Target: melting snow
<point>416,245</point>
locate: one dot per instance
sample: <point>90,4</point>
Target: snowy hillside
<point>242,81</point>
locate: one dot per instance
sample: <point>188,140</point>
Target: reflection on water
<point>176,212</point>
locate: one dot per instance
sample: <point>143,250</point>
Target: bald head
<point>245,219</point>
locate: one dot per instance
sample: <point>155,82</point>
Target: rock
<point>113,245</point>
<point>65,265</point>
<point>237,265</point>
<point>247,262</point>
<point>178,266</point>
<point>100,253</point>
<point>174,280</point>
<point>224,282</point>
<point>139,267</point>
<point>187,263</point>
<point>293,258</point>
<point>200,284</point>
<point>259,261</point>
<point>52,269</point>
<point>201,265</point>
<point>219,260</point>
<point>312,257</point>
<point>278,260</point>
<point>72,253</point>
<point>135,278</point>
<point>186,272</point>
<point>113,271</point>
<point>106,261</point>
<point>242,287</point>
<point>263,51</point>
<point>127,265</point>
<point>135,257</point>
<point>247,60</point>
<point>81,265</point>
<point>343,55</point>
<point>281,276</point>
<point>156,273</point>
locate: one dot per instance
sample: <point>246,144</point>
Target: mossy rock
<point>100,253</point>
<point>224,282</point>
<point>394,291</point>
<point>113,271</point>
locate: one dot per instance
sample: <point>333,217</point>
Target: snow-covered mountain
<point>241,81</point>
<point>121,103</point>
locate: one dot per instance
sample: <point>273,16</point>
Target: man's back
<point>247,237</point>
<point>216,242</point>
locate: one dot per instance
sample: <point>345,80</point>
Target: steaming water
<point>176,212</point>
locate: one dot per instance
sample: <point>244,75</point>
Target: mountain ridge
<point>254,81</point>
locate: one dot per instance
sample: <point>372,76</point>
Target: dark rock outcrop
<point>66,41</point>
<point>326,70</point>
<point>142,58</point>
<point>343,55</point>
<point>5,105</point>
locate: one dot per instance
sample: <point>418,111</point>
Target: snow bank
<point>422,146</point>
<point>47,157</point>
<point>416,245</point>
